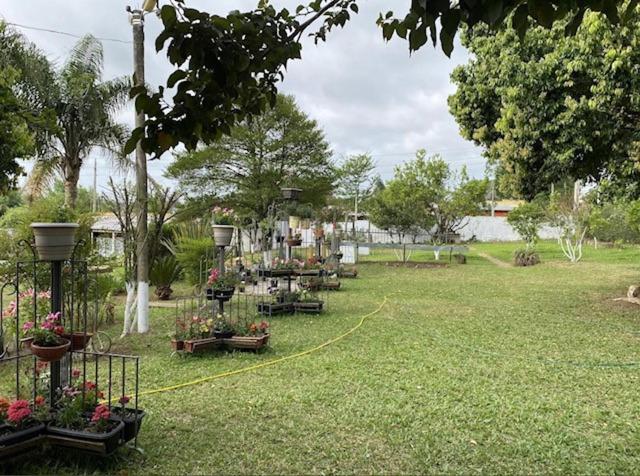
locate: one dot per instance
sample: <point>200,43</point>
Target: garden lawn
<point>469,368</point>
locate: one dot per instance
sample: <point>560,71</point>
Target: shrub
<point>526,219</point>
<point>164,273</point>
<point>192,246</point>
<point>526,257</point>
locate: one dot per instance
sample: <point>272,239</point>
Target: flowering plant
<point>279,263</point>
<point>253,329</point>
<point>19,413</point>
<point>100,418</point>
<point>312,263</point>
<point>4,408</point>
<point>224,216</point>
<point>223,325</point>
<point>26,300</point>
<point>200,327</point>
<point>307,295</point>
<point>49,332</point>
<point>224,281</point>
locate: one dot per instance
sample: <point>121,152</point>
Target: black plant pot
<point>132,419</point>
<point>223,295</point>
<point>75,438</point>
<point>10,436</point>
<point>222,334</point>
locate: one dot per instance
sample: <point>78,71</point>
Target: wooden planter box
<point>309,307</point>
<point>271,308</point>
<point>193,345</point>
<point>330,286</point>
<point>247,342</point>
<point>275,273</point>
<point>309,272</point>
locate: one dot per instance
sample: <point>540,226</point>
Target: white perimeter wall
<point>497,229</point>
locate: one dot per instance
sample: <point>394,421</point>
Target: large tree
<point>282,147</point>
<point>355,180</point>
<point>85,108</point>
<point>227,68</point>
<point>552,106</point>
<point>23,70</point>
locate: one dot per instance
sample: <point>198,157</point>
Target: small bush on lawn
<point>526,257</point>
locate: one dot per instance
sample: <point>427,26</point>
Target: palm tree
<point>84,108</point>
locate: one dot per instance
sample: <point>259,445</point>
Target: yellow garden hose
<point>270,362</point>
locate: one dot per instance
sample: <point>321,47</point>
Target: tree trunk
<point>71,177</point>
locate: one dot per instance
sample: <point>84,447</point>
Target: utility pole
<point>142,236</point>
<point>94,206</point>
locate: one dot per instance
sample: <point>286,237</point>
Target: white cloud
<point>368,95</point>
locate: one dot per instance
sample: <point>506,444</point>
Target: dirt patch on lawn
<point>414,264</point>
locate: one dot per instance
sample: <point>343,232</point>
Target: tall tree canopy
<point>283,147</point>
<point>84,106</point>
<point>227,68</point>
<point>552,106</point>
<point>23,69</point>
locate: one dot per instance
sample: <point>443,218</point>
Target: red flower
<point>75,373</point>
<point>253,328</point>
<point>101,413</point>
<point>18,411</point>
<point>40,400</point>
<point>100,395</point>
<point>89,385</point>
<point>264,325</point>
<point>58,330</point>
<point>124,400</point>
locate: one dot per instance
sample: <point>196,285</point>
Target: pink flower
<point>101,413</point>
<point>18,411</point>
<point>27,326</point>
<point>47,325</point>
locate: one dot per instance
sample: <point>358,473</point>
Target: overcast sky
<point>367,95</point>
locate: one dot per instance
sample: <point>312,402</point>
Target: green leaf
<point>176,76</point>
<point>168,15</point>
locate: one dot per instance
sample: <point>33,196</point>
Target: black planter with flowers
<point>64,408</point>
<point>98,442</point>
<point>11,435</point>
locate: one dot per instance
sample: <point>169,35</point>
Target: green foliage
<point>425,193</point>
<point>526,220</point>
<point>165,271</point>
<point>247,53</point>
<point>191,244</point>
<point>615,222</point>
<point>551,106</point>
<point>282,147</point>
<point>526,257</point>
<point>84,107</point>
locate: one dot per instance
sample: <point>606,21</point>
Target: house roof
<point>106,223</point>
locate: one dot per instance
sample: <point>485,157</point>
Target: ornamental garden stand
<point>43,383</point>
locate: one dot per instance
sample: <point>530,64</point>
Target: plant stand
<point>247,342</point>
<point>274,308</point>
<point>308,307</point>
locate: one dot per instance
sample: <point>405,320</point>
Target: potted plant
<point>222,328</point>
<point>48,345</point>
<point>20,421</point>
<point>178,338</point>
<point>294,240</point>
<point>224,220</point>
<point>76,427</point>
<point>131,417</point>
<point>250,335</point>
<point>56,240</point>
<point>308,303</point>
<point>221,287</point>
<point>164,273</point>
<point>199,334</point>
<point>310,267</point>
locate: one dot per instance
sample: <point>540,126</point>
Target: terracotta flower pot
<point>54,241</point>
<point>50,354</point>
<point>222,234</point>
<point>79,340</point>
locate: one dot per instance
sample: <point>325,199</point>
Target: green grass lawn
<point>469,368</point>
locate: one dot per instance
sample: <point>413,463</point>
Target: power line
<point>57,32</point>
